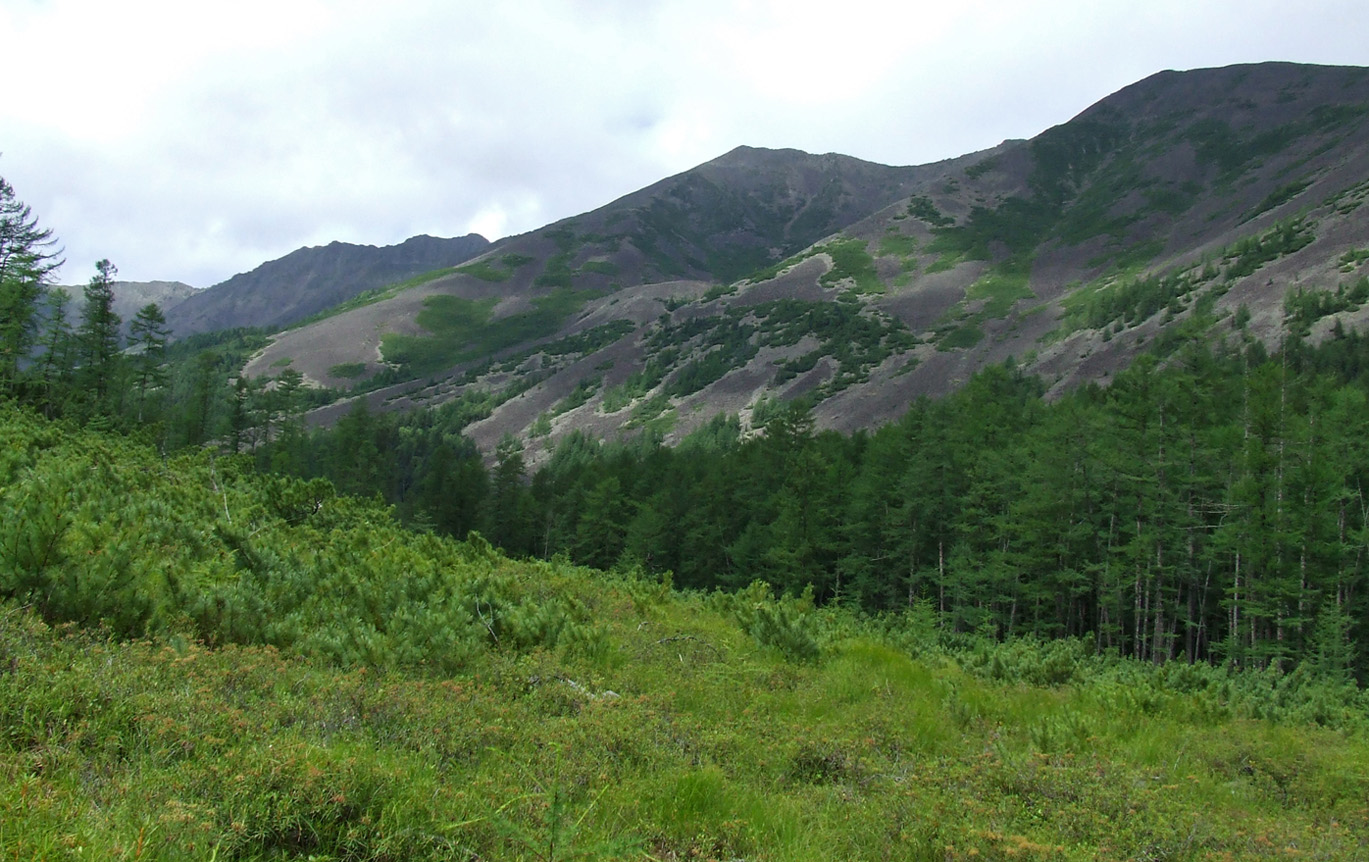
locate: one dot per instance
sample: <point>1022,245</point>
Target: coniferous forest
<point>1206,508</point>
<point>1122,623</point>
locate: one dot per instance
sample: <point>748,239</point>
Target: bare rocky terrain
<point>1185,207</point>
<point>310,280</point>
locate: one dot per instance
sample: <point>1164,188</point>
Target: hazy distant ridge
<point>309,280</point>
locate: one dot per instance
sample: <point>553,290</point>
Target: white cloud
<point>194,141</point>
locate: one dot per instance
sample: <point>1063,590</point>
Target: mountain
<point>309,280</point>
<point>1189,206</point>
<point>129,296</point>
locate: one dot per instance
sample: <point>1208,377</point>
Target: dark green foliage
<point>348,370</point>
<point>981,167</point>
<point>26,259</point>
<point>203,546</point>
<point>922,208</point>
<point>1302,308</point>
<point>784,625</point>
<point>589,341</point>
<point>857,341</point>
<point>148,336</point>
<point>960,338</point>
<point>1209,491</point>
<point>1016,226</point>
<point>1066,154</point>
<point>1216,144</point>
<point>1280,196</point>
<point>462,330</point>
<point>579,396</point>
<point>1353,258</point>
<point>372,296</point>
<point>1129,301</point>
<point>601,267</point>
<point>97,340</point>
<point>765,274</point>
<point>1251,253</point>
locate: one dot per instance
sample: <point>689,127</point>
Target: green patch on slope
<point>995,293</point>
<point>348,370</point>
<point>462,330</point>
<point>897,245</point>
<point>999,290</point>
<point>695,353</point>
<point>850,260</point>
<point>371,297</point>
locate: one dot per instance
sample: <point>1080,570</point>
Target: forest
<point>1208,507</point>
<point>1125,623</point>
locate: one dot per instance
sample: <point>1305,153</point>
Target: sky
<point>192,141</point>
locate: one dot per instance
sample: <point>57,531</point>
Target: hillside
<point>309,280</point>
<point>262,669</point>
<point>129,296</point>
<point>1183,207</point>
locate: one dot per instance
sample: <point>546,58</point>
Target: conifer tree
<point>26,260</point>
<point>507,518</point>
<point>56,343</point>
<point>98,337</point>
<point>148,333</point>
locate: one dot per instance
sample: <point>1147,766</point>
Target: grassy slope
<point>707,747</point>
<point>602,716</point>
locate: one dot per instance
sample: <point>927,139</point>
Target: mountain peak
<point>1164,213</point>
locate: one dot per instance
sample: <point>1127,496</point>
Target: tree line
<point>71,362</point>
<point>1210,508</point>
<point>1207,508</point>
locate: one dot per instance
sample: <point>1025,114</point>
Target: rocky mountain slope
<point>309,280</point>
<point>129,296</point>
<point>1187,206</point>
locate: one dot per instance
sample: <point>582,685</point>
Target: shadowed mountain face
<point>1185,207</point>
<point>749,208</point>
<point>310,280</point>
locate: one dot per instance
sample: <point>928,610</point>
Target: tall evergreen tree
<point>508,516</point>
<point>26,260</point>
<point>98,338</point>
<point>57,345</point>
<point>148,333</point>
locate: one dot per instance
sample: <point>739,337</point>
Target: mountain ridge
<point>1155,213</point>
<point>309,280</point>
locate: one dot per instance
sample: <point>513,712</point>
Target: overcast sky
<point>192,141</point>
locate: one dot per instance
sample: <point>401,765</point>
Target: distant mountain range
<point>1186,206</point>
<point>309,280</point>
<point>130,296</point>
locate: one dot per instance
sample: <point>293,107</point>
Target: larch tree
<point>98,337</point>
<point>26,260</point>
<point>148,334</point>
